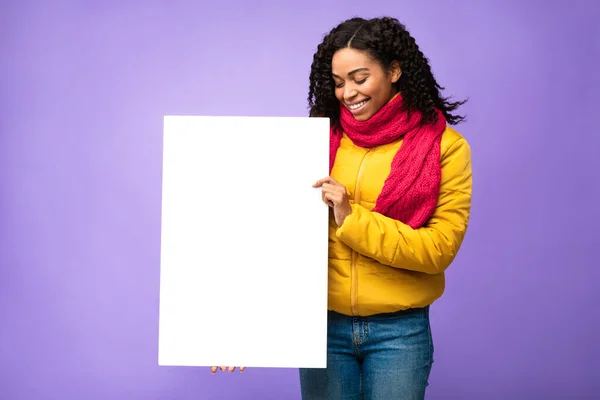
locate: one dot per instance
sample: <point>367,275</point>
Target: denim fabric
<point>380,357</point>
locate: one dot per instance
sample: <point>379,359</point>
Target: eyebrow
<point>353,72</point>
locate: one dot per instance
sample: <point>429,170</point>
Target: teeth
<point>357,105</point>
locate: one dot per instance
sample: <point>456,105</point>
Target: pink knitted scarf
<point>410,192</point>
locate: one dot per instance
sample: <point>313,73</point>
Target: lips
<point>357,106</point>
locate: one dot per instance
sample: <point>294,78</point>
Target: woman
<point>400,195</point>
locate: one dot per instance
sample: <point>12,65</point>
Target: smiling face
<point>361,83</point>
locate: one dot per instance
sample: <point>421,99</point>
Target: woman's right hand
<point>228,369</point>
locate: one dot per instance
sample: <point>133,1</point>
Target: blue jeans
<point>380,357</point>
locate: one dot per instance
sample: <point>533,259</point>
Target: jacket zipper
<point>354,272</point>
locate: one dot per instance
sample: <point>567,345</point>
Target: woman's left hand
<point>334,194</point>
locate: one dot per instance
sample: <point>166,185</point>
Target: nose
<point>349,92</point>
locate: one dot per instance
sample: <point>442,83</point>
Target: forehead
<point>347,60</point>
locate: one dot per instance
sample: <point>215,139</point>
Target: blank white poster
<point>243,274</point>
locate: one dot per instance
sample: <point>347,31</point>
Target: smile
<point>357,106</point>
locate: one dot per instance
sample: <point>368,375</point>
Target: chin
<point>363,117</point>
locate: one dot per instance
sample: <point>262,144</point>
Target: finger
<point>334,192</point>
<point>223,368</point>
<point>330,181</point>
<point>213,370</point>
<point>231,369</point>
<point>326,200</point>
<point>340,189</point>
<point>328,187</point>
<point>332,199</point>
<point>320,182</point>
<point>333,181</point>
<point>242,369</point>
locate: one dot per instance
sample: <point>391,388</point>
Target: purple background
<point>83,91</point>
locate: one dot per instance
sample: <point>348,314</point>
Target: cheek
<point>372,89</point>
<point>379,91</point>
<point>339,93</point>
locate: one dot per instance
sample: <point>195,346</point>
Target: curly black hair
<point>384,40</point>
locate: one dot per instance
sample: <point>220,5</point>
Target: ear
<point>395,71</point>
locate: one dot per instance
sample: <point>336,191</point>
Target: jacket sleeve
<point>431,248</point>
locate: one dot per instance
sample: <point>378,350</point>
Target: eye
<point>361,81</point>
<point>338,82</point>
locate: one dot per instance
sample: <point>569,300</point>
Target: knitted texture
<point>410,192</point>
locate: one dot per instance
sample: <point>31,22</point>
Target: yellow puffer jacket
<point>379,265</point>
